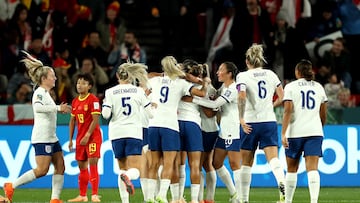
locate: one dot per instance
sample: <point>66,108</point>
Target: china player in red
<point>85,114</point>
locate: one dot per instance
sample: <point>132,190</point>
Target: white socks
<point>57,186</point>
<point>225,177</point>
<point>27,177</point>
<point>237,181</point>
<point>277,170</point>
<point>164,186</point>
<point>245,180</point>
<point>182,178</point>
<point>210,185</point>
<point>175,192</point>
<point>314,185</point>
<point>290,186</point>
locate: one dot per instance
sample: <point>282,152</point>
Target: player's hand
<point>284,141</point>
<point>85,139</point>
<point>246,127</point>
<point>65,108</point>
<point>71,146</point>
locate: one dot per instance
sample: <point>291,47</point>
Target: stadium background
<point>339,167</point>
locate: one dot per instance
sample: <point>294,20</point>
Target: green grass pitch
<point>257,195</point>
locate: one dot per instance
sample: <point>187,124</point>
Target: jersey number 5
<point>126,106</point>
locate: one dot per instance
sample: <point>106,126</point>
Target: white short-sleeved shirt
<point>229,122</point>
<point>126,102</point>
<point>208,124</point>
<point>188,111</point>
<point>307,97</point>
<point>260,85</point>
<point>44,130</point>
<point>166,93</point>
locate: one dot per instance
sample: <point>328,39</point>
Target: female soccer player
<point>190,135</point>
<point>228,142</point>
<point>43,138</point>
<point>164,139</point>
<point>85,113</point>
<point>256,88</point>
<point>304,101</point>
<point>123,103</point>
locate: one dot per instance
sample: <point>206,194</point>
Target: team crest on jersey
<point>48,149</point>
<point>227,93</point>
<point>96,105</point>
<point>39,97</point>
<point>85,107</point>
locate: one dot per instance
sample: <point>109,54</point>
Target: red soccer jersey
<point>82,110</point>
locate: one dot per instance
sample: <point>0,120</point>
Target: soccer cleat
<point>79,199</point>
<point>282,192</point>
<point>56,201</point>
<point>160,200</point>
<point>150,201</point>
<point>95,198</point>
<point>234,198</point>
<point>209,201</point>
<point>9,191</point>
<point>129,186</point>
<point>182,200</point>
<point>193,201</point>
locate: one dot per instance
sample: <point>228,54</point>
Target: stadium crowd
<point>77,36</point>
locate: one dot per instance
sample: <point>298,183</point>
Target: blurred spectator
<point>289,48</point>
<point>272,7</point>
<point>322,75</point>
<point>10,52</point>
<point>129,51</point>
<point>38,12</point>
<point>344,97</point>
<point>96,7</point>
<point>37,51</point>
<point>332,89</point>
<point>89,65</point>
<point>16,79</point>
<point>111,28</point>
<point>22,95</point>
<point>171,14</point>
<point>338,59</point>
<point>221,46</point>
<point>299,13</point>
<point>251,25</point>
<point>327,23</point>
<point>349,14</point>
<point>7,9</point>
<point>20,24</point>
<point>63,82</point>
<point>297,10</point>
<point>94,49</point>
<point>3,86</point>
<point>64,53</point>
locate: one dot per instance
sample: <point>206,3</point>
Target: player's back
<point>307,97</point>
<point>260,88</point>
<point>166,93</point>
<point>126,101</point>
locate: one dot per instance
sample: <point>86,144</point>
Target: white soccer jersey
<point>307,97</point>
<point>166,93</point>
<point>260,85</point>
<point>45,112</point>
<point>188,111</point>
<point>229,122</point>
<point>125,101</point>
<point>208,124</point>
